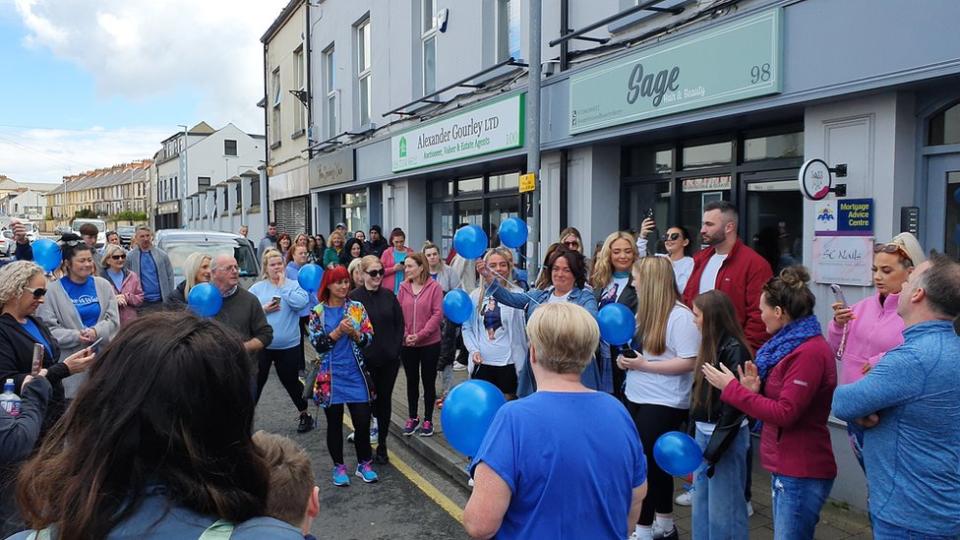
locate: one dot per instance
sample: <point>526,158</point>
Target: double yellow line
<point>422,483</point>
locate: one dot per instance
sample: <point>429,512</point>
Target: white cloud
<point>46,155</point>
<point>141,48</point>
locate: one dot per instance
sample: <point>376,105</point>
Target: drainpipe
<point>533,125</point>
<point>265,211</point>
<point>564,65</point>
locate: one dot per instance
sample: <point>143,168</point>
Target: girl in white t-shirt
<point>659,379</point>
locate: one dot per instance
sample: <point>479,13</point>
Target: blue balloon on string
<point>513,232</point>
<point>47,254</point>
<point>617,324</point>
<point>457,306</point>
<point>468,410</point>
<point>470,242</point>
<point>309,277</point>
<point>677,453</point>
<point>205,300</point>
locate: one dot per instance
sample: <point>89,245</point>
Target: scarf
<point>784,342</point>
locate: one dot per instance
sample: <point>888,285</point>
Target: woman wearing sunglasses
<point>677,243</point>
<point>22,291</point>
<point>125,283</point>
<point>383,353</point>
<point>80,308</point>
<point>860,334</point>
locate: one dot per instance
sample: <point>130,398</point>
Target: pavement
<point>837,520</point>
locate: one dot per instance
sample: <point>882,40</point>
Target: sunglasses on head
<point>670,237</point>
<point>375,273</point>
<point>37,292</point>
<point>892,248</point>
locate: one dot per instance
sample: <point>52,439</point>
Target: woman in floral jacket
<point>339,328</point>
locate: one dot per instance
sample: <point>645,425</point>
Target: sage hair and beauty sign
<point>491,127</point>
<point>734,61</point>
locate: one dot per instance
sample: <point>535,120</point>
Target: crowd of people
<point>723,347</point>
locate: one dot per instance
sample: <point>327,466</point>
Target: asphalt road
<point>396,507</point>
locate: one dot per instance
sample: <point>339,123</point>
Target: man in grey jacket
<point>153,267</point>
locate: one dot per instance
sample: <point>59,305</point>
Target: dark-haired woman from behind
<point>719,510</point>
<point>789,389</point>
<point>157,444</point>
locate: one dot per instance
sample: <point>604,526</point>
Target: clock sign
<point>816,179</point>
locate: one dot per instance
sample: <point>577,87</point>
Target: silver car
<point>179,244</point>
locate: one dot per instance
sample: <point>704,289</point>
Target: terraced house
<point>106,192</point>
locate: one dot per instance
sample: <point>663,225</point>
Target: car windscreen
<point>179,251</point>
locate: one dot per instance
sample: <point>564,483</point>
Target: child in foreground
<point>294,497</point>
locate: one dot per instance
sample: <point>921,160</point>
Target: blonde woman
<point>495,337</point>
<point>612,282</point>
<point>355,269</point>
<point>125,283</point>
<point>331,257</point>
<point>445,276</point>
<point>659,379</point>
<point>196,270</point>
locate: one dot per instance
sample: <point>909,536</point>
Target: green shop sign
<point>735,61</point>
<point>489,127</point>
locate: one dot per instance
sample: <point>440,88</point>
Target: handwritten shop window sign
<point>844,217</point>
<point>844,260</point>
<point>734,61</point>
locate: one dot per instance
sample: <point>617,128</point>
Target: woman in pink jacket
<point>126,284</point>
<point>421,300</point>
<point>392,260</point>
<point>860,334</point>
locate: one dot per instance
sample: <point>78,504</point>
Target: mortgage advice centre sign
<point>491,127</point>
<point>735,61</point>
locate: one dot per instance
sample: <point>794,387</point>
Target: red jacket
<point>422,312</point>
<point>742,277</point>
<point>794,408</point>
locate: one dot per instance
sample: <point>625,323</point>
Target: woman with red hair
<point>339,328</point>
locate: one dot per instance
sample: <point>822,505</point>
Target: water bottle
<point>8,400</point>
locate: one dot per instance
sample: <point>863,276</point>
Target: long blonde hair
<point>657,295</point>
<point>602,265</point>
<point>190,267</point>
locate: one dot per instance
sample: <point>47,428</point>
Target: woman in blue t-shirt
<point>80,307</point>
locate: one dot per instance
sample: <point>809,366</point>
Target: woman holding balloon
<point>197,270</point>
<point>612,282</point>
<point>282,300</point>
<point>495,334</point>
<point>392,260</point>
<point>658,380</point>
<point>789,388</point>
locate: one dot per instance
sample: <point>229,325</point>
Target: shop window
<point>951,244</point>
<point>697,193</point>
<point>353,210</point>
<point>787,145</point>
<point>442,189</point>
<point>774,220</point>
<point>642,161</point>
<point>442,225</point>
<point>470,185</point>
<point>499,182</point>
<point>644,199</point>
<point>500,209</point>
<point>945,127</point>
<point>707,155</point>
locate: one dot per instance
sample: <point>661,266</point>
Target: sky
<point>93,83</point>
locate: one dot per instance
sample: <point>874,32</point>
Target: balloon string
<point>494,272</point>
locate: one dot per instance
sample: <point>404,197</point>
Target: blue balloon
<point>457,306</point>
<point>513,232</point>
<point>309,277</point>
<point>47,254</point>
<point>617,324</point>
<point>470,242</point>
<point>467,413</point>
<point>677,453</point>
<point>205,300</point>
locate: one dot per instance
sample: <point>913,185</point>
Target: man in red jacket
<point>728,265</point>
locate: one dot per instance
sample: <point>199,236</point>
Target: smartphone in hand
<point>838,295</point>
<point>93,346</point>
<point>37,364</point>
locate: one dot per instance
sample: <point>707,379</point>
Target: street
<point>395,507</point>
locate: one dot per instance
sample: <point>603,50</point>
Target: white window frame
<point>275,106</point>
<point>331,105</point>
<point>299,82</point>
<point>428,11</point>
<point>364,71</point>
<point>502,33</point>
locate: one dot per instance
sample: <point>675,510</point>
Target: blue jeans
<point>886,531</point>
<point>796,505</point>
<point>719,508</point>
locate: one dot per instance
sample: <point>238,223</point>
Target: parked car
<point>126,234</point>
<point>179,244</point>
<point>6,243</point>
<point>62,230</point>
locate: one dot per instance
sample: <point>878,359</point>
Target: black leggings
<point>288,363</point>
<point>421,362</point>
<point>360,415</point>
<point>652,421</point>
<point>384,377</point>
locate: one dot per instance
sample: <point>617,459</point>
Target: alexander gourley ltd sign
<point>490,127</point>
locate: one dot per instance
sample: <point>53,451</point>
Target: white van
<point>101,229</point>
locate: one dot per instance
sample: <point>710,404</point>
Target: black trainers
<point>306,423</point>
<point>381,457</point>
